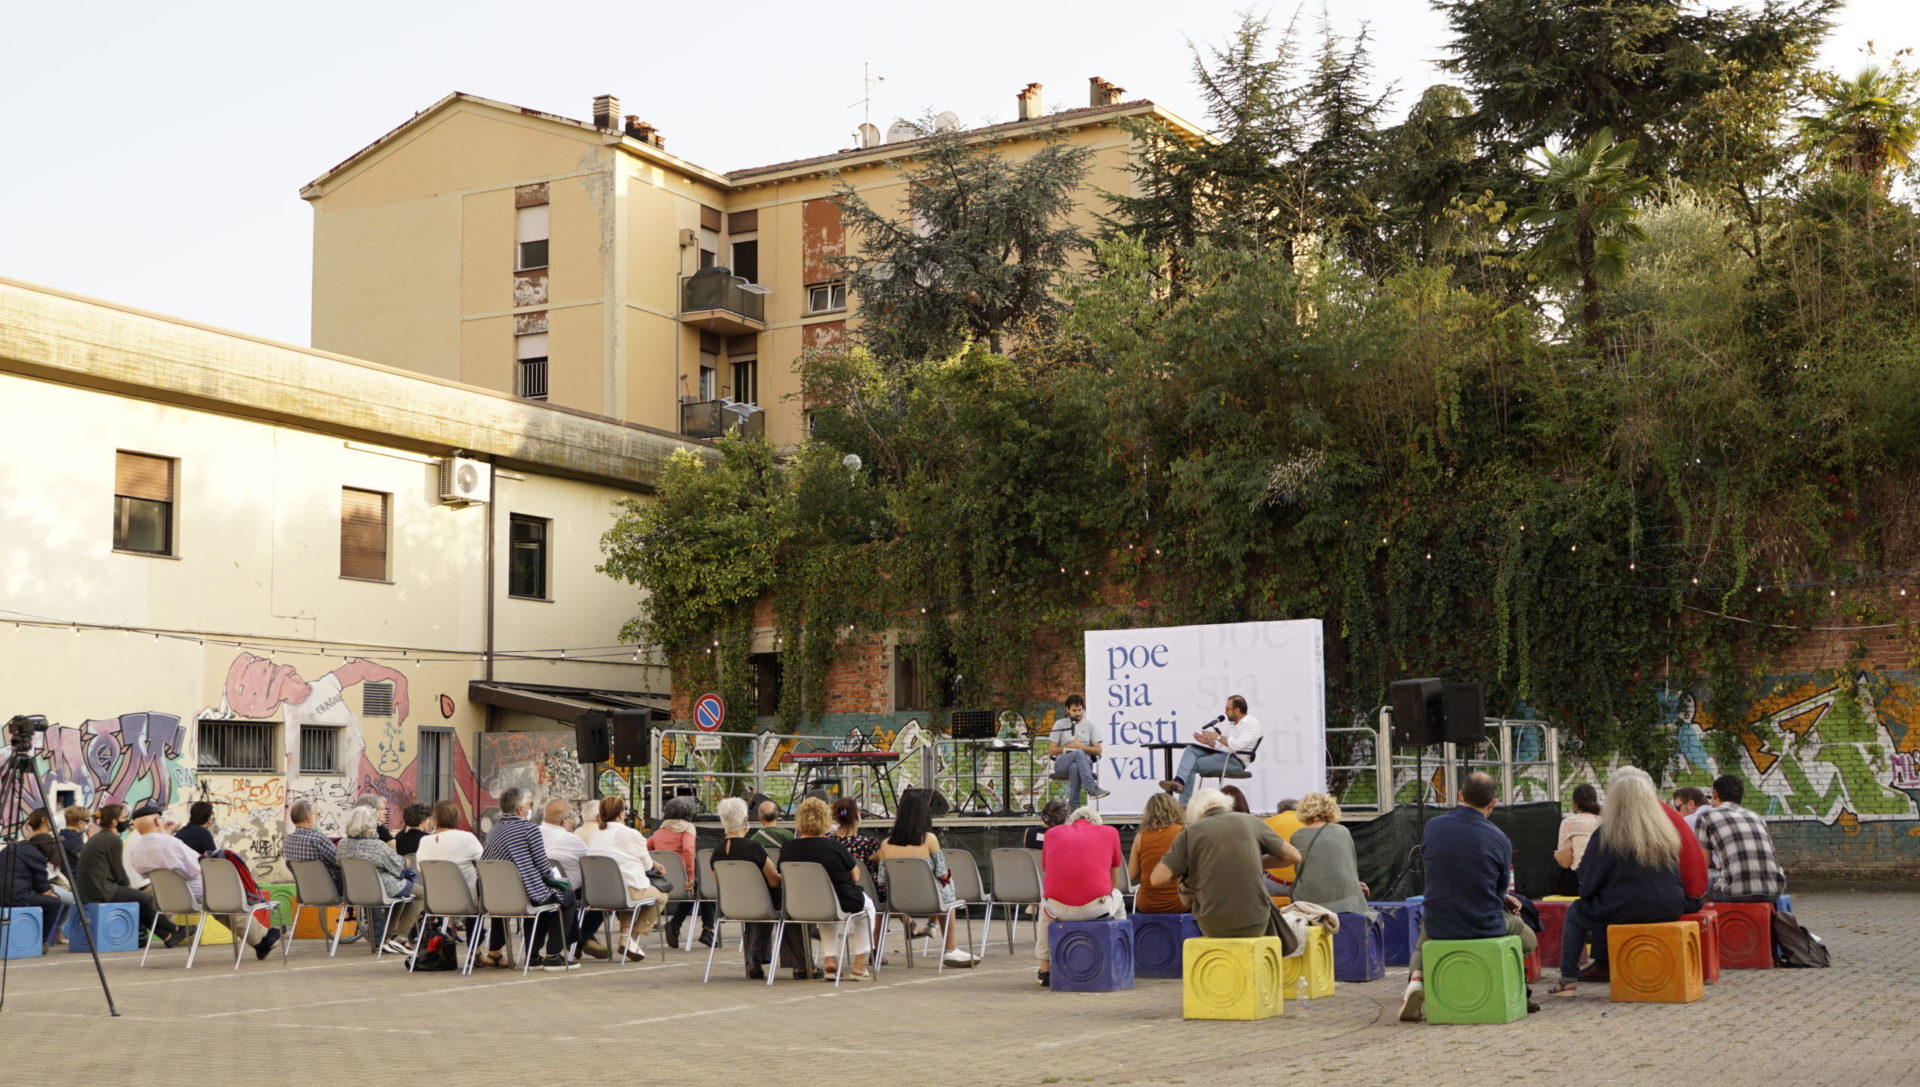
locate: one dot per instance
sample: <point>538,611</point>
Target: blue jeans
<point>1078,768</point>
<point>1196,760</point>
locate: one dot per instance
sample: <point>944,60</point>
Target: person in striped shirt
<point>516,838</point>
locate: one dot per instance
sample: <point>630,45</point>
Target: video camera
<point>21,728</point>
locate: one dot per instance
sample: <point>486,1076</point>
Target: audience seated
<point>448,842</point>
<point>1218,855</point>
<point>378,806</point>
<point>1468,862</point>
<point>515,838</point>
<point>73,836</point>
<point>912,836</point>
<point>102,877</point>
<point>1738,847</point>
<point>1239,799</point>
<point>396,879</point>
<point>1284,821</point>
<point>756,946</point>
<point>771,834</point>
<point>407,842</point>
<point>198,833</point>
<point>1690,801</point>
<point>811,843</point>
<point>1052,814</point>
<point>846,830</point>
<point>1159,825</point>
<point>1328,873</point>
<point>1693,860</point>
<point>612,837</point>
<point>28,877</point>
<point>1077,863</point>
<point>675,835</point>
<point>1571,844</point>
<point>1629,876</point>
<point>152,848</point>
<point>304,843</point>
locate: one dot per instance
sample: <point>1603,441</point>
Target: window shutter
<point>138,476</point>
<point>363,534</point>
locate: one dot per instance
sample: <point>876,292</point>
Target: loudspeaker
<point>1464,707</point>
<point>937,803</point>
<point>592,737</point>
<point>1416,712</point>
<point>632,737</point>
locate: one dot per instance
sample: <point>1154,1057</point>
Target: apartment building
<point>581,263</point>
<point>248,573</point>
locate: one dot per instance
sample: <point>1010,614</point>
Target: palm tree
<point>1585,218</point>
<point>1869,124</point>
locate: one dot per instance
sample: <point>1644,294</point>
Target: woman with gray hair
<point>1077,862</point>
<point>378,806</point>
<point>757,945</point>
<point>396,879</point>
<point>1629,875</point>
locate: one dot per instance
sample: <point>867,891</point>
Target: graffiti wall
<point>127,759</point>
<point>544,765</point>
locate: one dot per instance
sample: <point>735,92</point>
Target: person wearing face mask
<point>102,876</point>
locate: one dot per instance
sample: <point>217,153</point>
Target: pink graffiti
<point>116,760</point>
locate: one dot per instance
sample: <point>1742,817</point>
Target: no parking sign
<point>708,712</point>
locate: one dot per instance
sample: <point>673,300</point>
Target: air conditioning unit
<point>689,239</point>
<point>464,481</point>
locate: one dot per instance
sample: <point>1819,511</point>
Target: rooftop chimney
<point>1102,93</point>
<point>1029,102</point>
<point>606,111</point>
<point>644,132</point>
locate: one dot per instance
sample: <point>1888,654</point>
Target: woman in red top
<point>676,836</point>
<point>1693,861</point>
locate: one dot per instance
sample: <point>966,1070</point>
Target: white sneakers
<point>960,957</point>
<point>1413,1002</point>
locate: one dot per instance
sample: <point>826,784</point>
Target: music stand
<point>978,726</point>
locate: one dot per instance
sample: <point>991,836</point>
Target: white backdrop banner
<point>1161,684</point>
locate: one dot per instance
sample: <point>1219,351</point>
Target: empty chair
<point>807,897</point>
<point>1016,883</point>
<point>313,888</point>
<point>913,892</point>
<point>971,891</point>
<point>742,896</point>
<point>705,889</point>
<point>504,898</point>
<point>604,889</point>
<point>365,890</point>
<point>1123,885</point>
<point>172,894</point>
<point>222,893</point>
<point>448,898</point>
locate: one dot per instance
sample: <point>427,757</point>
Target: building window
<point>909,684</point>
<point>142,504</point>
<point>766,671</point>
<point>827,297</point>
<point>320,749</point>
<point>746,381</point>
<point>363,534</point>
<point>530,366</point>
<point>530,231</point>
<point>433,777</point>
<point>242,747</point>
<point>709,377</point>
<point>527,558</point>
<point>746,260</point>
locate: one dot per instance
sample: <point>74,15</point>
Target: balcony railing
<point>713,418</point>
<point>719,301</point>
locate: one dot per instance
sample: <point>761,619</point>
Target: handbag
<point>659,881</point>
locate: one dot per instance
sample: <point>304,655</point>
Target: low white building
<point>245,572</point>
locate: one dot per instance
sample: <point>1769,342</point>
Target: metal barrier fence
<point>1366,773</point>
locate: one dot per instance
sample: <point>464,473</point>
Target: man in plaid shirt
<point>1737,843</point>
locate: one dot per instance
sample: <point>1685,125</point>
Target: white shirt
<point>564,849</point>
<point>147,852</point>
<point>458,846</point>
<point>628,847</point>
<point>1241,735</point>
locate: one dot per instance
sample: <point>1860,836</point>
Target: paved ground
<point>315,1017</point>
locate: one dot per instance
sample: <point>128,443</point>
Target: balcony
<point>716,300</point>
<point>713,418</point>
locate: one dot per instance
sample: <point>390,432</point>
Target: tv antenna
<point>867,79</point>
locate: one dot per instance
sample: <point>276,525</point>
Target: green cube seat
<point>1475,981</point>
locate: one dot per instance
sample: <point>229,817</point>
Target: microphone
<point>1215,721</point>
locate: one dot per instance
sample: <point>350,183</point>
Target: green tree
<point>1585,220</point>
<point>1866,126</point>
<point>975,253</point>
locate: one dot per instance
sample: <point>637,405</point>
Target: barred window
<point>239,746</point>
<point>319,749</point>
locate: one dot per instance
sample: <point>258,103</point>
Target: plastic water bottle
<point>1300,997</point>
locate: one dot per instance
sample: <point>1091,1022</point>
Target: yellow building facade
<point>560,259</point>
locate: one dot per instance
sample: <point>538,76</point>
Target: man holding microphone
<point>1226,744</point>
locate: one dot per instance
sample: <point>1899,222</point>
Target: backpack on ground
<point>438,954</point>
<point>1793,945</point>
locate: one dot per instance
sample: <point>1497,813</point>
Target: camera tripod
<point>13,795</point>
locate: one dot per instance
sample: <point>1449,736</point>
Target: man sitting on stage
<point>1073,749</point>
<point>1215,749</point>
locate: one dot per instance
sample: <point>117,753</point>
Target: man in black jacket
<point>25,880</point>
<point>103,878</point>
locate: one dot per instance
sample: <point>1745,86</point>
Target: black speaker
<point>632,737</point>
<point>1464,708</point>
<point>592,737</point>
<point>1416,712</point>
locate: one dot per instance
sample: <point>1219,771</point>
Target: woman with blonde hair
<point>1328,874</point>
<point>1160,824</point>
<point>811,843</point>
<point>1629,875</point>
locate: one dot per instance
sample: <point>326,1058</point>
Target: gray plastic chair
<point>365,889</point>
<point>807,897</point>
<point>744,898</point>
<point>172,894</point>
<point>706,889</point>
<point>603,889</point>
<point>971,891</point>
<point>913,892</point>
<point>1123,884</point>
<point>504,898</point>
<point>313,888</point>
<point>1016,883</point>
<point>222,893</point>
<point>448,898</point>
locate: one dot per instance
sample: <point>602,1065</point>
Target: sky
<point>153,154</point>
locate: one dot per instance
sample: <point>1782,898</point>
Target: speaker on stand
<point>1417,706</point>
